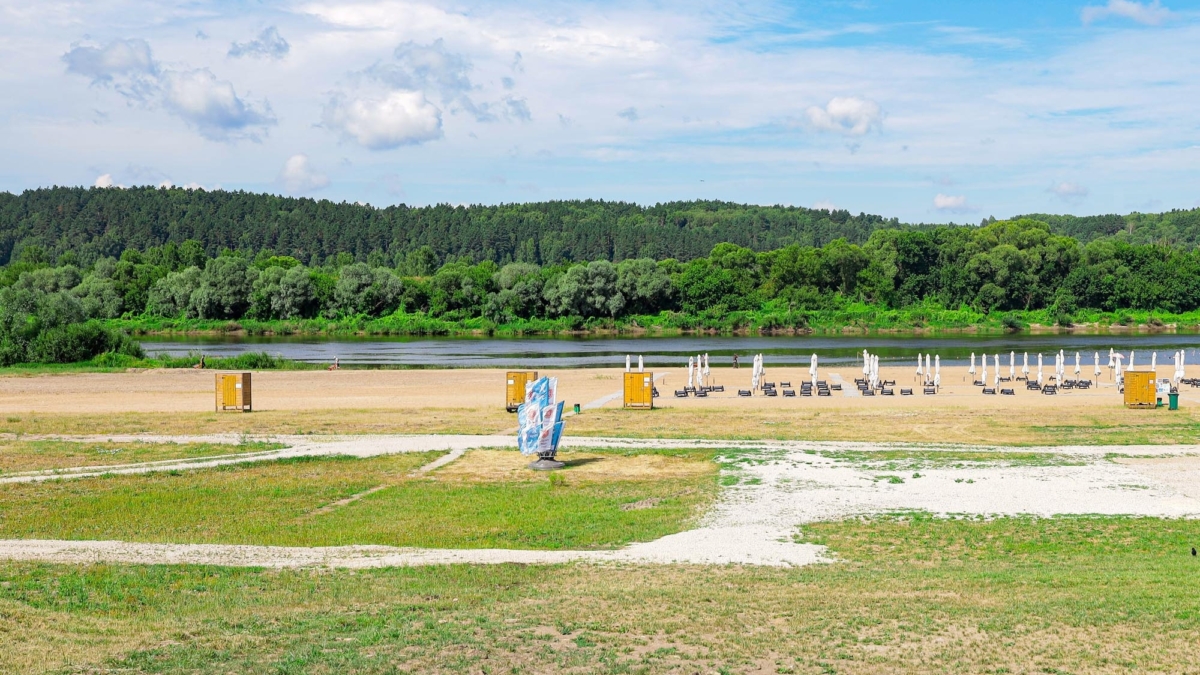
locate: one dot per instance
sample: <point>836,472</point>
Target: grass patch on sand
<point>912,595</point>
<point>352,421</point>
<point>21,455</point>
<point>908,460</point>
<point>308,502</point>
<point>953,423</point>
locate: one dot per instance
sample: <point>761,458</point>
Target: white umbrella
<point>1025,366</point>
<point>1111,358</point>
<point>691,380</point>
<point>937,366</point>
<point>983,377</point>
<point>919,370</point>
<point>1118,371</point>
<point>1012,365</point>
<point>707,369</point>
<point>928,372</point>
<point>1039,377</point>
<point>641,366</point>
<point>866,363</point>
<point>812,369</point>
<point>971,370</point>
<point>627,363</point>
<point>1097,367</point>
<point>1076,363</point>
<point>1154,362</point>
<point>1130,366</point>
<point>1182,364</point>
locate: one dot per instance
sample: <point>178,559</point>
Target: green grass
<point>19,455</point>
<point>288,503</point>
<point>909,460</point>
<point>911,594</point>
<point>115,363</point>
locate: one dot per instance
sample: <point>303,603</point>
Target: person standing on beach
<point>735,361</point>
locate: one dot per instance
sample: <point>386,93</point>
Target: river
<point>598,352</point>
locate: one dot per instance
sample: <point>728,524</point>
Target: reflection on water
<point>673,351</point>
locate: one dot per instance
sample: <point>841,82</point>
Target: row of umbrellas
<point>641,367</point>
<point>698,370</point>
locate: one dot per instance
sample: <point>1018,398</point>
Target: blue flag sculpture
<point>539,425</point>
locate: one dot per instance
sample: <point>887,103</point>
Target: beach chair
<point>836,387</point>
<point>788,393</point>
<point>989,391</point>
<point>720,389</point>
<point>1050,390</point>
<point>889,383</point>
<point>770,392</point>
<point>868,392</point>
<point>681,393</point>
<point>702,394</point>
<point>930,391</point>
<point>743,392</point>
<point>806,392</point>
<point>979,383</point>
<point>823,392</point>
<point>887,392</point>
<point>1008,392</point>
<point>906,392</point>
<point>785,385</point>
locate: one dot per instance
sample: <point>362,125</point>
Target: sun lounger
<point>823,392</point>
<point>806,392</point>
<point>785,384</point>
<point>681,393</point>
<point>720,388</point>
<point>743,392</point>
<point>888,392</point>
<point>788,393</point>
<point>771,392</point>
<point>906,392</point>
<point>836,387</point>
<point>868,392</point>
<point>702,394</point>
<point>979,383</point>
<point>989,391</point>
<point>930,391</point>
<point>1049,390</point>
<point>1008,392</point>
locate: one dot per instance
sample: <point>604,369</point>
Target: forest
<point>77,282</point>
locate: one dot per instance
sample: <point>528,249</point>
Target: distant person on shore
<point>199,366</point>
<point>335,364</point>
<point>735,361</point>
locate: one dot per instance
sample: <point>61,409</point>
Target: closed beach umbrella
<point>1076,363</point>
<point>928,372</point>
<point>1025,366</point>
<point>1012,365</point>
<point>1039,377</point>
<point>971,370</point>
<point>1112,359</point>
<point>1130,365</point>
<point>1097,365</point>
<point>641,366</point>
<point>937,366</point>
<point>1154,362</point>
<point>1118,357</point>
<point>919,365</point>
<point>627,363</point>
<point>691,380</point>
<point>866,363</point>
<point>983,375</point>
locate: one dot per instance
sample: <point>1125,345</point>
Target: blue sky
<point>927,111</point>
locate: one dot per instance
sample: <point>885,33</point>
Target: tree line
<point>1001,266</point>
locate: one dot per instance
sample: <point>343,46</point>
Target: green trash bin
<point>1174,401</point>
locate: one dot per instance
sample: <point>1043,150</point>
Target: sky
<point>926,111</point>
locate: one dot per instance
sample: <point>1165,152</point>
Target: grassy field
<point>914,595</point>
<point>422,421</point>
<point>24,455</point>
<point>307,502</point>
<point>950,424</point>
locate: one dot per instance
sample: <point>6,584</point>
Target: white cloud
<point>299,176</point>
<point>106,181</point>
<point>210,105</point>
<point>1148,14</point>
<point>1069,191</point>
<point>852,116</point>
<point>952,204</point>
<point>268,44</point>
<point>399,118</point>
<point>825,205</point>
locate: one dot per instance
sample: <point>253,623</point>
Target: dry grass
<point>948,424</point>
<point>1104,595</point>
<point>506,465</point>
<point>388,421</point>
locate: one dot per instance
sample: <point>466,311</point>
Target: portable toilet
<point>1140,390</point>
<point>515,388</point>
<point>233,391</point>
<point>639,390</point>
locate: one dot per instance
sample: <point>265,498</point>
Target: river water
<point>541,352</point>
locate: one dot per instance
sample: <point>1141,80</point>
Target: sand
<point>175,391</point>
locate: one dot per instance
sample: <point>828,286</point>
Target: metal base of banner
<point>546,464</point>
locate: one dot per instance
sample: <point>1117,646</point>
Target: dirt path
<point>779,487</point>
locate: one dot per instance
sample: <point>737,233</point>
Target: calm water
<point>673,351</point>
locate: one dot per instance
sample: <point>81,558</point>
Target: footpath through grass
<point>305,502</point>
<point>1016,595</point>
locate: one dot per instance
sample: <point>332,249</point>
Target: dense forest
<point>84,265</point>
